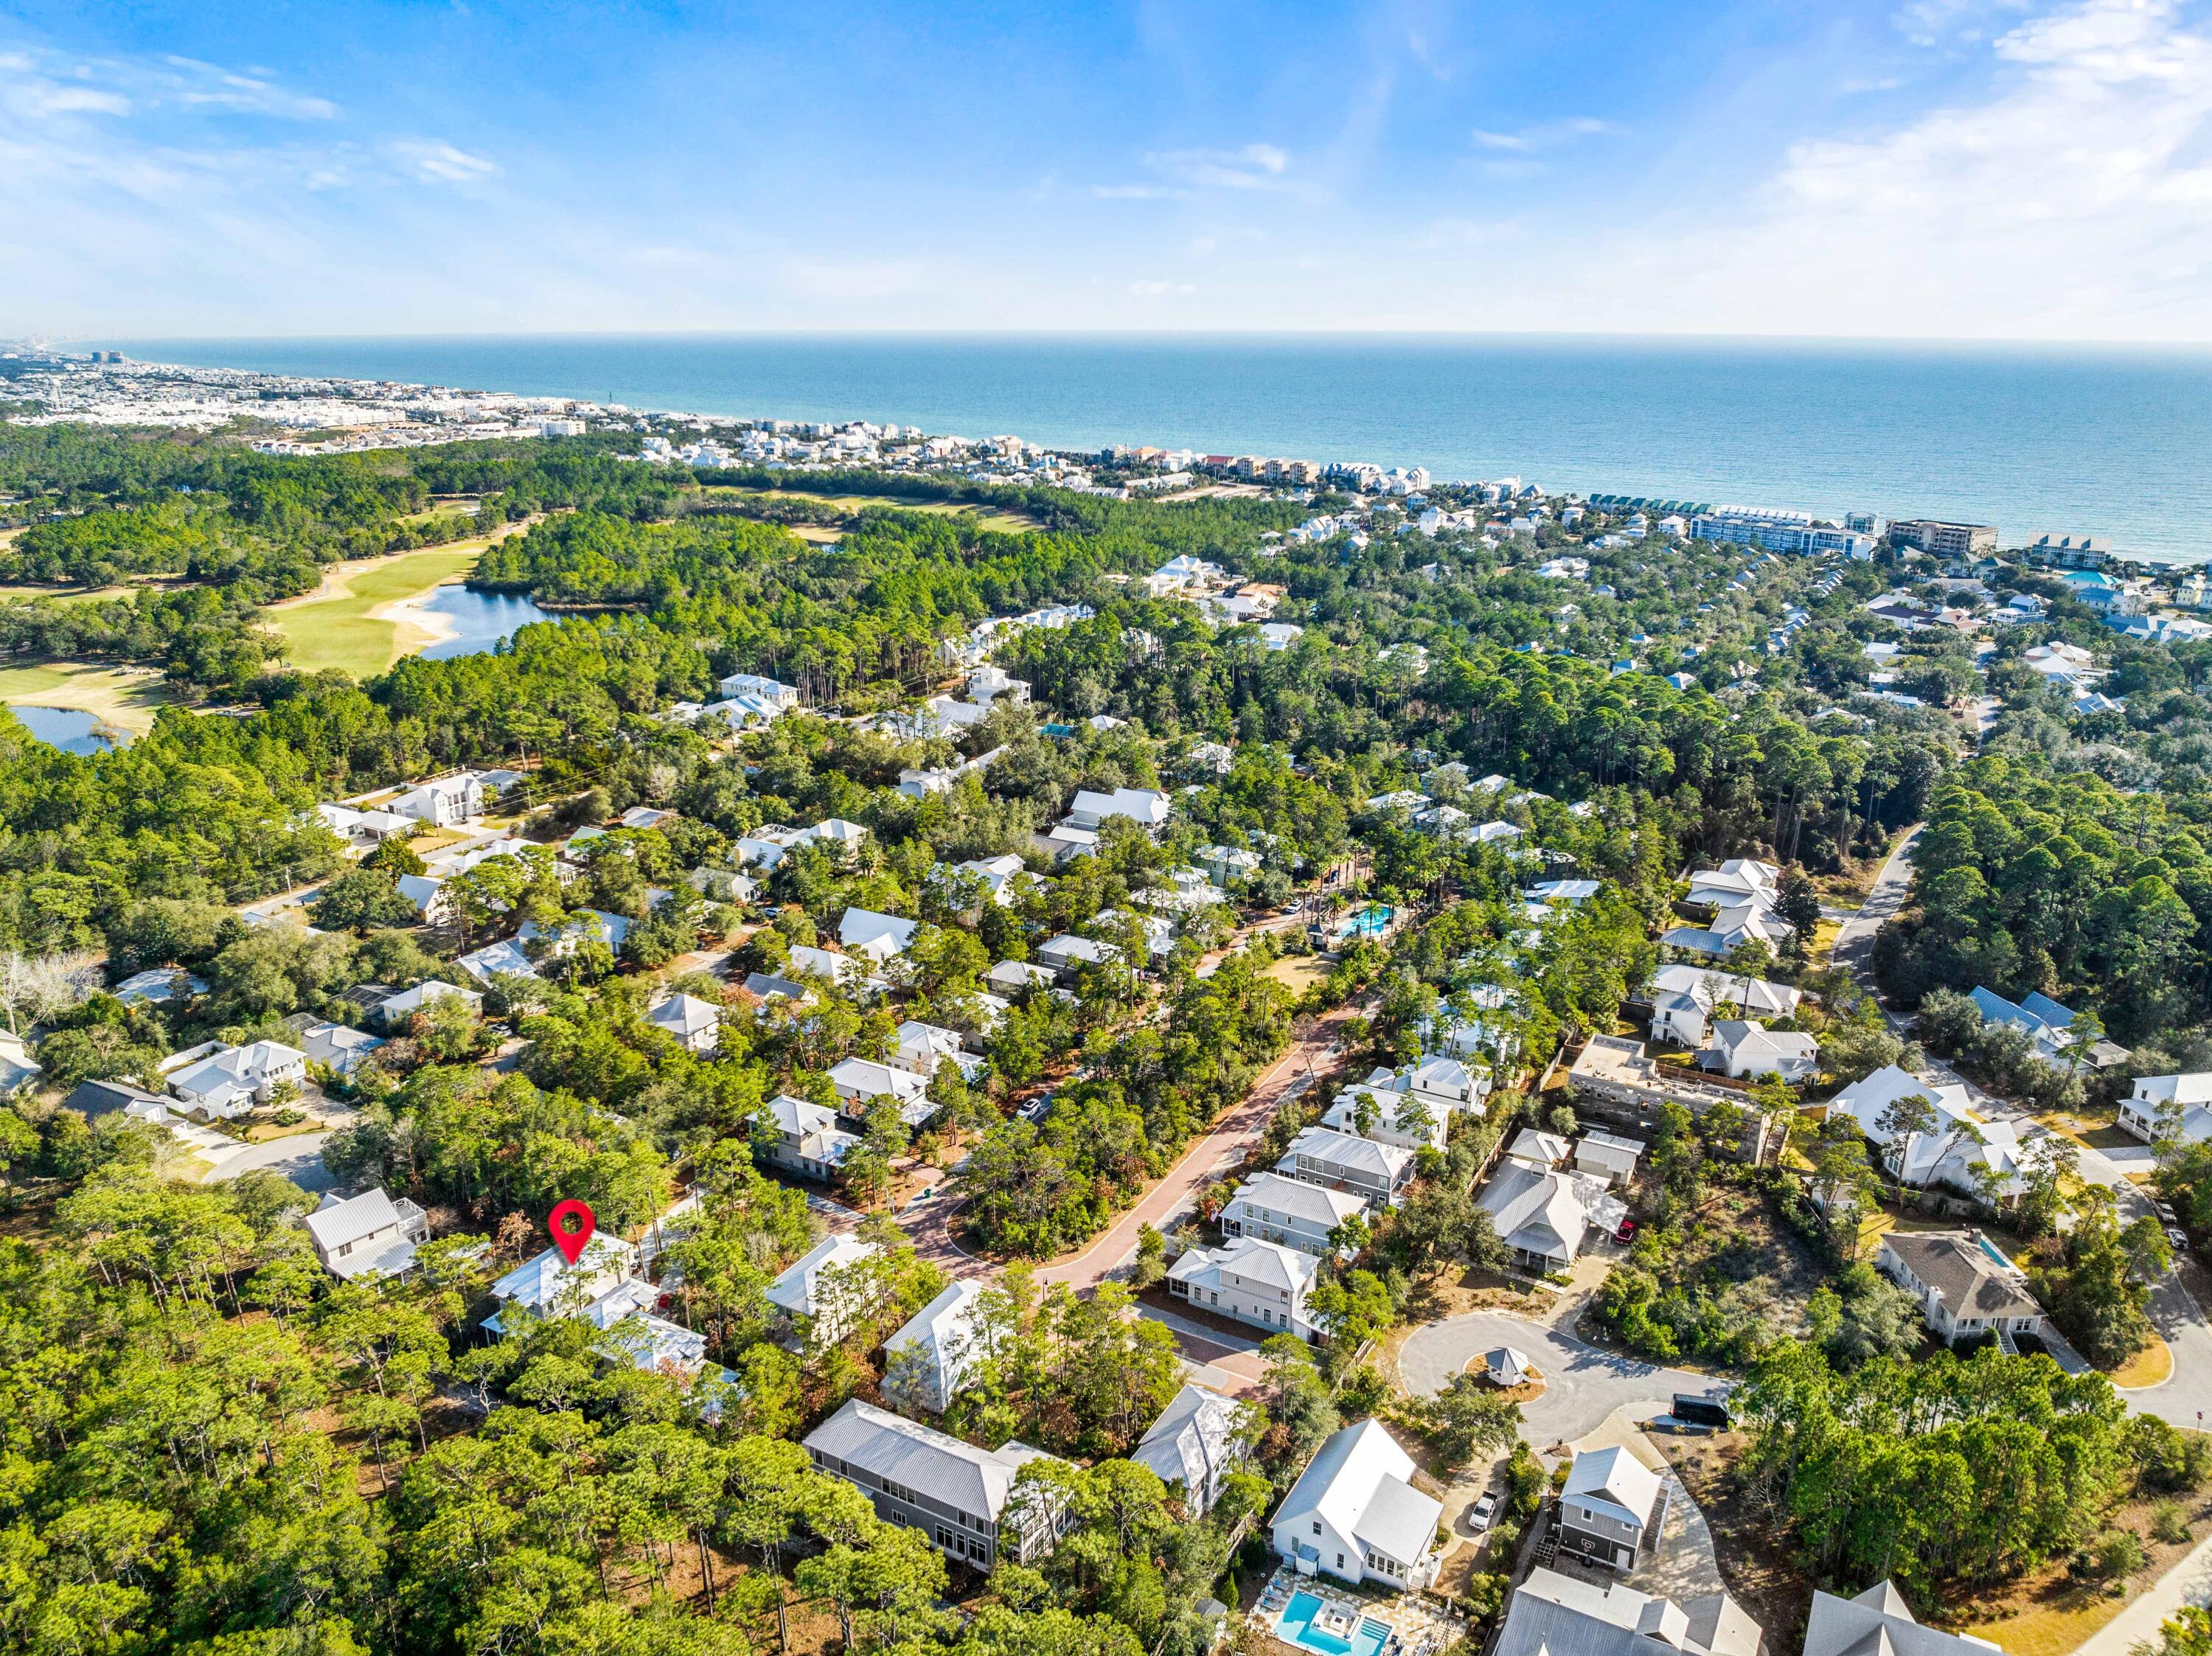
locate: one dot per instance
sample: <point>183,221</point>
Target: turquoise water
<point>1296,1626</point>
<point>481,620</point>
<point>2102,441</point>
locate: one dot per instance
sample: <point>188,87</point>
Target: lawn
<point>126,699</point>
<point>341,629</point>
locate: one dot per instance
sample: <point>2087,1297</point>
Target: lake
<point>479,620</point>
<point>71,729</point>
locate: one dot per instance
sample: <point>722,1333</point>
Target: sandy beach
<point>416,626</point>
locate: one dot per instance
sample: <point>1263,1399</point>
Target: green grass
<point>128,700</point>
<point>340,632</point>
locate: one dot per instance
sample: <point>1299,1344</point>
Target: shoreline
<point>415,627</point>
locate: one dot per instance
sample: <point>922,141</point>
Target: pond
<point>71,729</point>
<point>479,620</point>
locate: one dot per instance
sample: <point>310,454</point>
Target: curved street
<point>1582,1385</point>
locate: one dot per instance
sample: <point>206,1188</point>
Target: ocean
<point>2108,441</point>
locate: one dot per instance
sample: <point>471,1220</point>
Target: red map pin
<point>572,1226</point>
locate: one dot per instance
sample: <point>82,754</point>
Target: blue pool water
<point>1990,1248</point>
<point>1297,1627</point>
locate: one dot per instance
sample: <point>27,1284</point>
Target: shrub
<point>2169,1524</point>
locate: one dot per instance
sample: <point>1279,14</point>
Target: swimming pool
<point>1296,1626</point>
<point>1990,1248</point>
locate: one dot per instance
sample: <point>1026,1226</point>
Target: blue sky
<point>1950,168</point>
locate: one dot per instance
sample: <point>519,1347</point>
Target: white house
<point>760,687</point>
<point>1685,997</point>
<point>396,1011</point>
<point>1198,1441</point>
<point>998,875</point>
<point>1735,881</point>
<point>1067,954</point>
<point>927,1361</point>
<point>1263,1283</point>
<point>1611,1508</point>
<point>813,1286</point>
<point>448,801</point>
<point>693,1023</point>
<point>1733,926</point>
<point>876,937</point>
<point>803,1137</point>
<point>1395,1117</point>
<point>1744,1047</point>
<point>547,1285</point>
<point>1608,1156</point>
<point>1289,1211</point>
<point>231,1082</point>
<point>1147,807</point>
<point>861,1081</point>
<point>356,1235</point>
<point>1355,1514</point>
<point>1552,1612</point>
<point>1945,1152</point>
<point>1964,1289</point>
<point>2169,1106</point>
<point>337,1047</point>
<point>925,1048</point>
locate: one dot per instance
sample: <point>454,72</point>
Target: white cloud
<point>441,163</point>
<point>2066,200</point>
<point>1155,289</point>
<point>209,87</point>
<point>1545,135</point>
<point>1181,173</point>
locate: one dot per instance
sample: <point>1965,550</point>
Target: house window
<point>1339,1561</point>
<point>1317,1527</point>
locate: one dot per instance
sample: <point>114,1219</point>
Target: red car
<point>1626,1233</point>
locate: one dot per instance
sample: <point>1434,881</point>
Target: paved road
<point>1583,1386</point>
<point>2179,1320</point>
<point>1854,946</point>
<point>299,1158</point>
<point>2189,1582</point>
<point>1205,1161</point>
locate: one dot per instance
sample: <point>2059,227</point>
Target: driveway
<point>1583,1386</point>
<point>298,1157</point>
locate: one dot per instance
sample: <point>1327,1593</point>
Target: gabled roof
<point>901,1451</point>
<point>880,936</point>
<point>1340,1150</point>
<point>1295,1198</point>
<point>1878,1622</point>
<point>793,1291</point>
<point>1359,1481</point>
<point>684,1015</point>
<point>1612,1478</point>
<point>1194,1440</point>
<point>338,1222</point>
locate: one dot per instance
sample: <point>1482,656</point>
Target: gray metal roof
<point>905,1452</point>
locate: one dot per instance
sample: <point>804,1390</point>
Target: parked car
<point>2179,1238</point>
<point>1481,1515</point>
<point>2166,1215</point>
<point>1626,1233</point>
